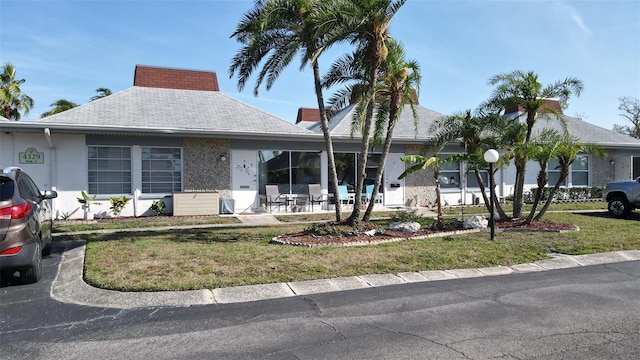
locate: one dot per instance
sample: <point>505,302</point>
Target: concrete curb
<point>69,285</point>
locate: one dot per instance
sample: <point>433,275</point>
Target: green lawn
<point>222,257</point>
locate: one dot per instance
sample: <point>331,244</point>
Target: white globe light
<point>491,156</point>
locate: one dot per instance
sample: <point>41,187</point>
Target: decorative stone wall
<point>420,186</point>
<point>203,168</point>
<point>602,171</point>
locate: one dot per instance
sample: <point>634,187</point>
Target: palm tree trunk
<point>542,181</point>
<point>440,217</point>
<point>354,219</point>
<point>393,113</point>
<point>324,121</point>
<point>519,188</point>
<point>498,207</point>
<point>564,172</point>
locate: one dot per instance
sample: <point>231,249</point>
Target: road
<point>590,312</point>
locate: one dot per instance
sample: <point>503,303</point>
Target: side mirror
<point>49,194</point>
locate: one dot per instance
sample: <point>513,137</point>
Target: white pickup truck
<point>622,197</point>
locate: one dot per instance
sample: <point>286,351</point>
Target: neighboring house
<point>174,135</point>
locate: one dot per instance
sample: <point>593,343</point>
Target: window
<point>578,174</point>
<point>346,169</point>
<point>292,171</point>
<point>449,174</point>
<point>109,170</point>
<point>161,170</point>
<point>580,171</point>
<point>472,180</point>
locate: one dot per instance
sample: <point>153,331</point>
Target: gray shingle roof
<point>143,109</point>
<point>587,132</point>
<point>340,124</point>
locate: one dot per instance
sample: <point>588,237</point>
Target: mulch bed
<point>360,239</point>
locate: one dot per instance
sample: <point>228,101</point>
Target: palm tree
<point>13,100</point>
<point>542,150</point>
<point>400,86</point>
<point>365,24</point>
<point>522,90</point>
<point>278,30</point>
<point>566,152</point>
<point>102,92</point>
<point>424,163</point>
<point>59,106</point>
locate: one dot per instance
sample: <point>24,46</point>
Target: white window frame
<point>568,182</point>
<point>150,183</point>
<point>123,171</point>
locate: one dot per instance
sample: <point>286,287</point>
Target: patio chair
<point>275,198</point>
<point>316,196</point>
<point>369,194</point>
<point>345,195</point>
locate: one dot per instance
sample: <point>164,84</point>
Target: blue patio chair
<point>369,194</point>
<point>345,195</point>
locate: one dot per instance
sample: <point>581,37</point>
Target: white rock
<point>476,222</point>
<point>410,227</point>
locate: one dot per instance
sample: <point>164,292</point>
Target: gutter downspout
<point>52,169</point>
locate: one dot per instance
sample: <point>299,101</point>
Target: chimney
<point>167,78</point>
<point>309,115</point>
<point>548,104</point>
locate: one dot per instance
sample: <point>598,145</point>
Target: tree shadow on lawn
<point>634,216</point>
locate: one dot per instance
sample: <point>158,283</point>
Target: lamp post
<point>491,156</point>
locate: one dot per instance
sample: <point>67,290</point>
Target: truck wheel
<point>619,207</point>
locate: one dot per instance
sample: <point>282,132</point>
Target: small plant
<point>65,215</point>
<point>329,229</point>
<point>406,216</point>
<point>87,200</point>
<point>157,206</point>
<point>117,204</point>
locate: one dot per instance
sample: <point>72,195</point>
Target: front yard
<point>222,257</point>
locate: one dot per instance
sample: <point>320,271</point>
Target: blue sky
<point>68,49</point>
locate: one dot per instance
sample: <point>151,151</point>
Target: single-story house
<point>175,137</point>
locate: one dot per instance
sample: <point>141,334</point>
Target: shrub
<point>406,216</point>
<point>329,229</point>
<point>117,204</point>
<point>157,207</point>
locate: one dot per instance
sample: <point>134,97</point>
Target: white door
<point>623,170</point>
<point>244,180</point>
<point>393,188</point>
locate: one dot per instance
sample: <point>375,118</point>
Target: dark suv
<point>25,225</point>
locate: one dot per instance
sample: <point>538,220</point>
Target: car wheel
<point>47,250</point>
<point>34,272</point>
<point>619,207</point>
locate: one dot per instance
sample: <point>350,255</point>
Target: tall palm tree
<point>59,106</point>
<point>522,90</point>
<point>365,24</point>
<point>102,92</point>
<point>13,100</point>
<point>274,32</point>
<point>401,81</point>
<point>477,132</point>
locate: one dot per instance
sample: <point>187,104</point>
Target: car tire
<point>47,250</point>
<point>619,207</point>
<point>34,272</point>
